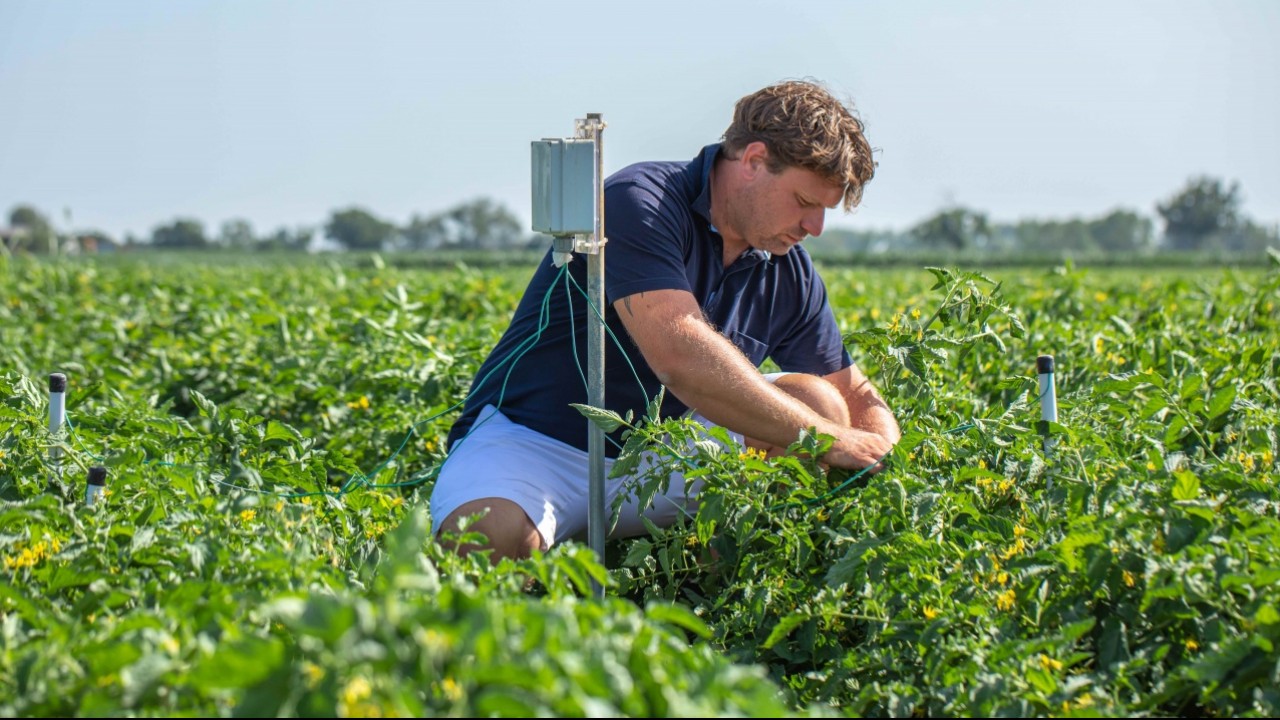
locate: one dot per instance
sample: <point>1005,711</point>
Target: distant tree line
<point>1204,215</point>
<point>480,224</point>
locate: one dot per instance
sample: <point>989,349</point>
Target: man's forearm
<point>867,410</point>
<point>725,388</point>
<point>707,372</point>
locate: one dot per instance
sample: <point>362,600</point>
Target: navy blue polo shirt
<point>658,224</point>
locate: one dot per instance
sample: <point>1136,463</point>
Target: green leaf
<point>27,609</point>
<point>1041,680</point>
<point>142,539</point>
<point>1070,546</point>
<point>1267,615</point>
<point>606,420</point>
<point>238,663</point>
<point>204,405</point>
<point>1122,326</point>
<point>636,554</point>
<point>784,628</point>
<point>679,616</point>
<point>1186,486</point>
<point>1191,384</point>
<point>327,618</point>
<point>277,430</point>
<point>1221,401</point>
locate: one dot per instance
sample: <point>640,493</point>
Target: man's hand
<point>857,449</point>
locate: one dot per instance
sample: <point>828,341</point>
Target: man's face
<point>776,212</point>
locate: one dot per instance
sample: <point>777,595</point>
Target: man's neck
<point>734,243</point>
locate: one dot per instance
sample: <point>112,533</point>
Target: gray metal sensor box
<point>564,186</point>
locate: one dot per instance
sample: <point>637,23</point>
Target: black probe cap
<point>97,475</point>
<point>57,382</point>
<point>1044,364</point>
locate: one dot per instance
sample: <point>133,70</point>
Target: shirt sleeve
<point>814,344</point>
<point>648,241</point>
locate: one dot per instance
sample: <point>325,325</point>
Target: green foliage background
<point>270,426</point>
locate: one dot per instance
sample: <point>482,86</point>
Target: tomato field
<point>270,427</point>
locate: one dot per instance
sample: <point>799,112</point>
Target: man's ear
<point>754,160</point>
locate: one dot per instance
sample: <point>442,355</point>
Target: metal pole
<point>595,353</point>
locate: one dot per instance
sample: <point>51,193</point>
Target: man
<point>704,279</point>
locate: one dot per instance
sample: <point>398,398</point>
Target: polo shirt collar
<point>702,203</point>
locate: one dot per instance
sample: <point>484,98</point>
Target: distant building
<point>15,238</point>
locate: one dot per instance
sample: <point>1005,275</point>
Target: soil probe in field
<point>96,485</point>
<point>57,415</point>
<point>1048,401</point>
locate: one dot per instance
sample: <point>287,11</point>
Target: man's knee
<point>510,531</point>
<point>818,394</point>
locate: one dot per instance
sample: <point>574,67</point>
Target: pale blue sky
<point>131,114</point>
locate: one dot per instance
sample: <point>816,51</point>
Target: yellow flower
<point>982,464</point>
<point>1002,577</point>
<point>1267,457</point>
<point>1191,645</point>
<point>1005,600</point>
<point>356,690</point>
<point>1049,663</point>
<point>1129,579</point>
<point>279,505</point>
<point>1005,484</point>
<point>875,313</point>
<point>1019,531</point>
<point>1246,461</point>
<point>247,515</point>
<point>451,689</point>
<point>929,613</point>
<point>313,672</point>
<point>33,554</point>
<point>361,404</point>
<point>1097,345</point>
<point>1151,467</point>
<point>1019,545</point>
<point>1100,296</point>
<point>915,314</point>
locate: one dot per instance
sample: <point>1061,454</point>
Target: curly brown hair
<point>803,125</point>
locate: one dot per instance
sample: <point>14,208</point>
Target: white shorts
<point>548,479</point>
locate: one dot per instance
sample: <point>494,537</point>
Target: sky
<point>123,115</point>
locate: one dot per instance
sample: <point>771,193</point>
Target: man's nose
<point>812,221</point>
